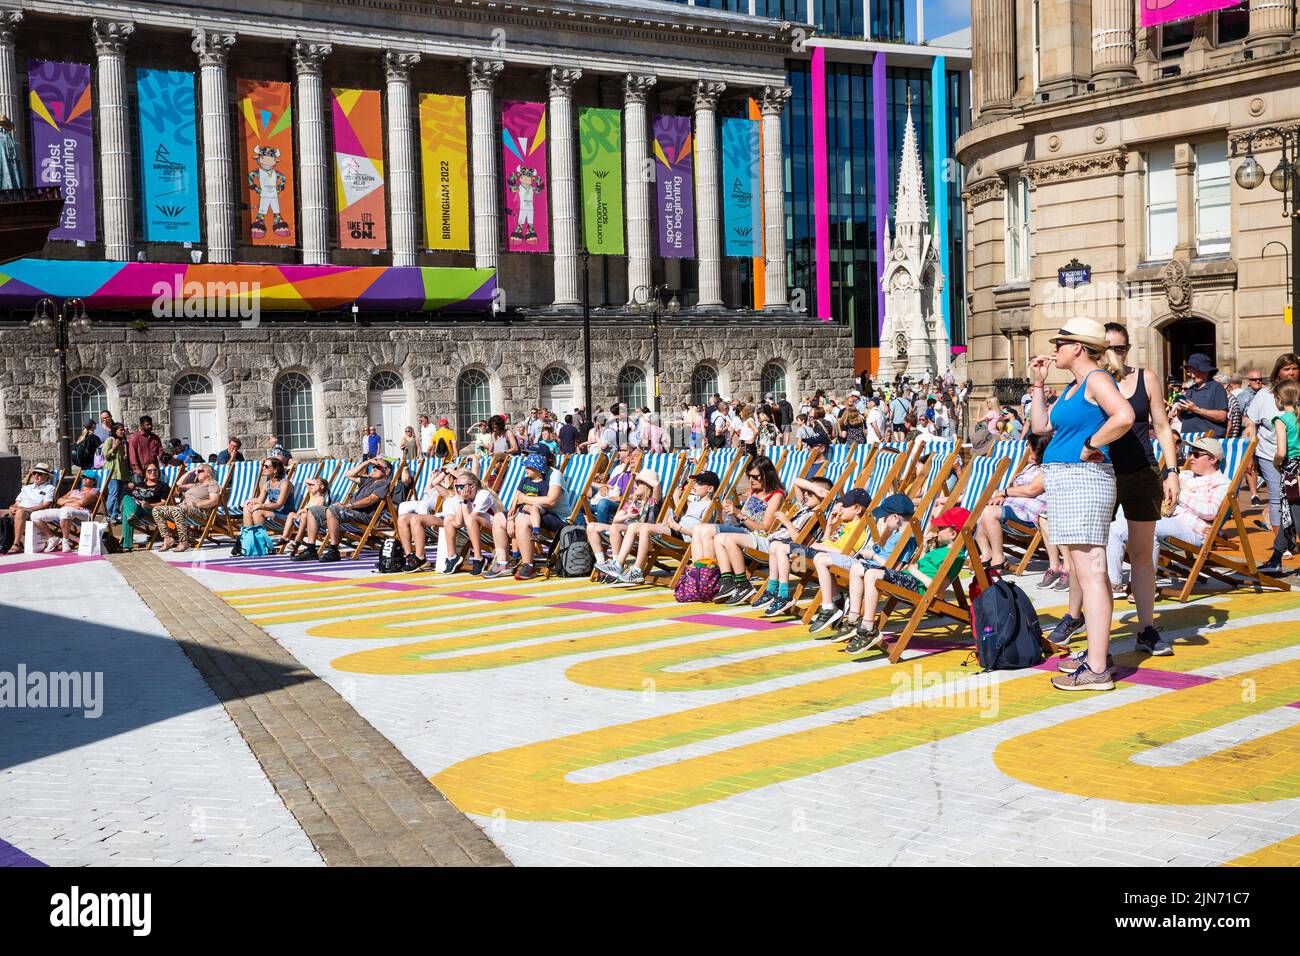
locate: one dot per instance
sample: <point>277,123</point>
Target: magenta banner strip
<point>821,189</point>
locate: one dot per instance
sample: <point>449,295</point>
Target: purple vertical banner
<point>63,142</point>
<point>880,153</point>
<point>675,186</point>
<point>821,186</point>
<point>523,144</point>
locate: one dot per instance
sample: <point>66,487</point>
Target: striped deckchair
<point>382,516</point>
<point>228,516</point>
<point>299,474</point>
<point>170,474</point>
<point>1012,449</point>
<point>224,475</point>
<point>794,463</point>
<point>1221,556</point>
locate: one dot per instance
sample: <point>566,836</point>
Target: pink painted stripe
<point>53,560</point>
<point>597,608</point>
<point>821,186</point>
<point>1147,676</point>
<point>488,596</point>
<point>745,623</point>
<point>1296,704</point>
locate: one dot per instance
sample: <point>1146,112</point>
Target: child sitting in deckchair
<point>638,504</point>
<point>639,533</point>
<point>318,496</point>
<point>917,577</point>
<point>890,517</point>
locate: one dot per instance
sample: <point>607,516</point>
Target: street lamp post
<point>650,299</point>
<point>1284,179</point>
<point>59,318</point>
<point>586,333</point>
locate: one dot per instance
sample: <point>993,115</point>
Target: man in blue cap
<point>1204,406</point>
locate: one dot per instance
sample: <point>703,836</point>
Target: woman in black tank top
<point>1140,493</point>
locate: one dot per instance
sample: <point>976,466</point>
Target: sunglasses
<point>1254,380</point>
<point>1198,453</point>
<point>460,487</point>
<point>755,475</point>
<point>1120,349</point>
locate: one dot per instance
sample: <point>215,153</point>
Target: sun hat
<point>1200,362</point>
<point>535,463</point>
<point>1089,332</point>
<point>41,467</point>
<point>647,476</point>
<point>952,518</point>
<point>1208,444</point>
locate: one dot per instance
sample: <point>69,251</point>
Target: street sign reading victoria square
<point>1073,274</point>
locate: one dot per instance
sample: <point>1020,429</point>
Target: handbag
<point>698,585</point>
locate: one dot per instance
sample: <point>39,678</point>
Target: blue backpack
<point>1008,635</point>
<point>254,542</point>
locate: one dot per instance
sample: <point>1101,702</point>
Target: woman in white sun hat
<point>1080,482</point>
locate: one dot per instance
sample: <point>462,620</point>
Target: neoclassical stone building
<point>346,336</point>
<point>1100,143</point>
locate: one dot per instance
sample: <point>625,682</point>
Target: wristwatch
<point>1087,443</point>
<point>1166,472</point>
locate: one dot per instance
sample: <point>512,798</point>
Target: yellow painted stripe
<point>1283,853</point>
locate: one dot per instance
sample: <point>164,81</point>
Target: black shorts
<point>1140,494</point>
<point>552,522</point>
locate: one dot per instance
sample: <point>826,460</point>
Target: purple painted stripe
<point>54,560</point>
<point>259,572</point>
<point>1296,704</point>
<point>745,623</point>
<point>489,595</point>
<point>10,855</point>
<point>880,151</point>
<point>821,186</point>
<point>1148,676</point>
<point>596,607</point>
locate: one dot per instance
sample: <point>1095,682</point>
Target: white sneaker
<point>52,545</point>
<point>67,546</point>
<point>632,575</point>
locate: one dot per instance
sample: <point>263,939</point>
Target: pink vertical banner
<point>821,189</point>
<point>524,173</point>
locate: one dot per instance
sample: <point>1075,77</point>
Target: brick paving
<point>358,799</point>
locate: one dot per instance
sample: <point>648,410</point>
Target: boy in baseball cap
<point>917,577</point>
<point>834,553</point>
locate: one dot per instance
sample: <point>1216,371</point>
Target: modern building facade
<point>370,212</point>
<point>1100,180</point>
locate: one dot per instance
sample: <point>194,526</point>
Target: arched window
<point>631,387</point>
<point>195,413</point>
<point>385,380</point>
<point>473,400</point>
<point>295,417</point>
<point>773,380</point>
<point>386,401</point>
<point>87,397</point>
<point>557,391</point>
<point>704,384</point>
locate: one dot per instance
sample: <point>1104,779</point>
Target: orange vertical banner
<point>266,161</point>
<point>760,262</point>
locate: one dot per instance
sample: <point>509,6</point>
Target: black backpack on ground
<point>6,533</point>
<point>391,557</point>
<point>1008,635</point>
<point>571,555</point>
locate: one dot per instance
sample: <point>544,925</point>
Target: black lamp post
<point>1250,174</point>
<point>650,299</point>
<point>59,318</point>
<point>586,333</point>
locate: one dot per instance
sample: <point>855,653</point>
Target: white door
<point>388,414</point>
<point>194,421</point>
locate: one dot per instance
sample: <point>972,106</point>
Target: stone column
<point>774,100</point>
<point>11,88</point>
<point>994,41</point>
<point>218,171</point>
<point>484,146</point>
<point>709,237</point>
<point>635,155</point>
<point>313,170</point>
<point>403,197</point>
<point>115,136</point>
<point>1112,43</point>
<point>1271,22</point>
<point>564,192</point>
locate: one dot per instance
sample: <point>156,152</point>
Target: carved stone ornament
<point>985,189</point>
<point>1077,167</point>
<point>1178,288</point>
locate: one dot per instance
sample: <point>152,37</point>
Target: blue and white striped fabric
<point>577,473</point>
<point>931,478</point>
<point>880,467</point>
<point>940,447</point>
<point>1013,449</point>
<point>792,465</point>
<point>170,475</point>
<point>303,473</point>
<point>510,481</point>
<point>1234,451</point>
<point>665,465</point>
<point>720,460</point>
<point>832,471</point>
<point>981,471</point>
<point>243,485</point>
<point>839,454</point>
<point>343,486</point>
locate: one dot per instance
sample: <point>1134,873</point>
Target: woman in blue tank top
<point>1080,480</point>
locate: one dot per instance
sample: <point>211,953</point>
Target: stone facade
<point>140,368</point>
<point>1080,129</point>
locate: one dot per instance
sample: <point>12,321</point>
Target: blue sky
<point>941,16</point>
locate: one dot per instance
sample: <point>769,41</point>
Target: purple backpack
<point>697,585</point>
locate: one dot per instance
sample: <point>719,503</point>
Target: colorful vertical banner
<point>169,158</point>
<point>759,264</point>
<point>1155,12</point>
<point>675,186</point>
<point>446,171</point>
<point>600,140</point>
<point>742,226</point>
<point>884,198</point>
<point>821,186</point>
<point>63,143</point>
<point>359,168</point>
<point>266,161</point>
<point>524,173</point>
<point>940,162</point>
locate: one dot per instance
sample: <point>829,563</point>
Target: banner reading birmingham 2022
<point>741,211</point>
<point>524,173</point>
<point>675,186</point>
<point>359,168</point>
<point>63,142</point>
<point>1155,12</point>
<point>446,171</point>
<point>169,162</point>
<point>600,138</point>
